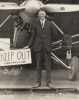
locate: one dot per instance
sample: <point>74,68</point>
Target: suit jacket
<point>41,38</point>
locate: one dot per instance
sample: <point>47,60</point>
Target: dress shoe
<point>49,85</point>
<point>38,84</point>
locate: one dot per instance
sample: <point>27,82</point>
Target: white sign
<point>15,57</point>
<point>4,43</point>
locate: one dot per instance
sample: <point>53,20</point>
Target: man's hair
<point>41,9</point>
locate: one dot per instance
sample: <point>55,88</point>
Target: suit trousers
<point>47,64</point>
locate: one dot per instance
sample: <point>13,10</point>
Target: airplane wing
<point>10,6</point>
<point>61,7</point>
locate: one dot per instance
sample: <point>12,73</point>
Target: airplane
<point>27,11</point>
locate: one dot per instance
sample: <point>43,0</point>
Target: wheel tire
<point>74,68</point>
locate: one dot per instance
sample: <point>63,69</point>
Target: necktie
<point>42,24</point>
<point>68,54</point>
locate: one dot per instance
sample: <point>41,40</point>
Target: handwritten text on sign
<point>15,57</point>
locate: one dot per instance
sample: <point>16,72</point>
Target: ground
<point>12,80</point>
<point>40,97</point>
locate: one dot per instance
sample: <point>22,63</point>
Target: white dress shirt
<point>42,23</point>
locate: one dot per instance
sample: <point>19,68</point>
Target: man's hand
<point>26,47</point>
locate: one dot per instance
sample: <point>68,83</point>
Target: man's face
<point>41,15</point>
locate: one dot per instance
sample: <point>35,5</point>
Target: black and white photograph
<point>39,49</point>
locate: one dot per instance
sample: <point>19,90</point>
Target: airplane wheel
<point>74,68</point>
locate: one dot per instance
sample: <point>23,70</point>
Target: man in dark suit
<point>40,41</point>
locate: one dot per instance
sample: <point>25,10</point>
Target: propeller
<point>10,6</point>
<point>32,6</point>
<point>61,7</point>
